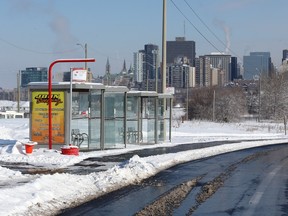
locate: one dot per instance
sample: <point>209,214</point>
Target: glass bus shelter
<point>86,102</point>
<point>97,116</point>
<point>145,119</point>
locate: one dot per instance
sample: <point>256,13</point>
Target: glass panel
<point>80,105</point>
<point>160,125</point>
<point>167,118</point>
<point>114,120</point>
<point>79,124</point>
<point>151,131</point>
<point>148,120</point>
<point>119,131</point>
<point>132,107</point>
<point>95,133</point>
<point>134,134</point>
<point>95,104</point>
<point>95,119</point>
<point>110,133</point>
<point>114,133</point>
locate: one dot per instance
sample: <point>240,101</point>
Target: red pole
<point>50,91</point>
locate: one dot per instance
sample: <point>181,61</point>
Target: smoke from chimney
<point>226,29</point>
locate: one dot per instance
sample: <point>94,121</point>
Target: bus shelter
<point>71,122</point>
<point>146,118</point>
<point>100,117</point>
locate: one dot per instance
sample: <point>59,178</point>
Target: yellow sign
<point>40,120</point>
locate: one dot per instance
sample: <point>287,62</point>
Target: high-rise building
<point>285,55</point>
<point>146,66</point>
<point>205,71</point>
<point>180,48</point>
<point>33,74</point>
<point>234,69</point>
<point>151,64</point>
<point>257,64</point>
<point>223,63</point>
<point>206,74</point>
<point>198,74</point>
<point>181,74</point>
<point>150,68</point>
<point>138,62</point>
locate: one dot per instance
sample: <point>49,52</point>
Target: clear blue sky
<point>36,32</point>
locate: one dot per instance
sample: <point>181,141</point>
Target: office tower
<point>222,62</point>
<point>177,74</point>
<point>180,48</point>
<point>205,71</point>
<point>234,68</point>
<point>151,60</point>
<point>285,55</point>
<point>257,64</point>
<point>33,74</point>
<point>151,67</point>
<point>198,74</point>
<point>138,62</point>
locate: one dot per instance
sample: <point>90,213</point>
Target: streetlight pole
<point>187,96</point>
<point>85,50</point>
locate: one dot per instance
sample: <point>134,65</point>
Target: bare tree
<point>274,98</point>
<point>230,103</point>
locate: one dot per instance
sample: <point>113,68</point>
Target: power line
<point>36,51</point>
<point>210,29</point>
<point>194,26</point>
<point>205,24</point>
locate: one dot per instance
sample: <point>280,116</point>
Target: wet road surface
<point>96,164</point>
<point>102,163</point>
<point>247,182</point>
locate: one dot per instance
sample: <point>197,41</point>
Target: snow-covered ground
<point>45,194</point>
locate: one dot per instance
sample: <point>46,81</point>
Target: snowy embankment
<point>47,194</point>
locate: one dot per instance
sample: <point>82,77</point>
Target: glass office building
<point>256,64</point>
<point>33,74</point>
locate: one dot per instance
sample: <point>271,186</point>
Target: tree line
<point>264,99</point>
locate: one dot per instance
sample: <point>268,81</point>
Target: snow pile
<point>46,194</point>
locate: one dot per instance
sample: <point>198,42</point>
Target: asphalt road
<point>247,182</point>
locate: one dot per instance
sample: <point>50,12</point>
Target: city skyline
<point>35,33</point>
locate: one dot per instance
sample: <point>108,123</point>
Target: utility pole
<point>213,118</point>
<point>89,75</point>
<point>163,124</point>
<point>18,92</point>
<point>187,93</point>
<point>164,48</point>
<point>259,111</point>
<point>85,47</point>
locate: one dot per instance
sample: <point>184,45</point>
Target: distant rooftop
<point>180,38</point>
